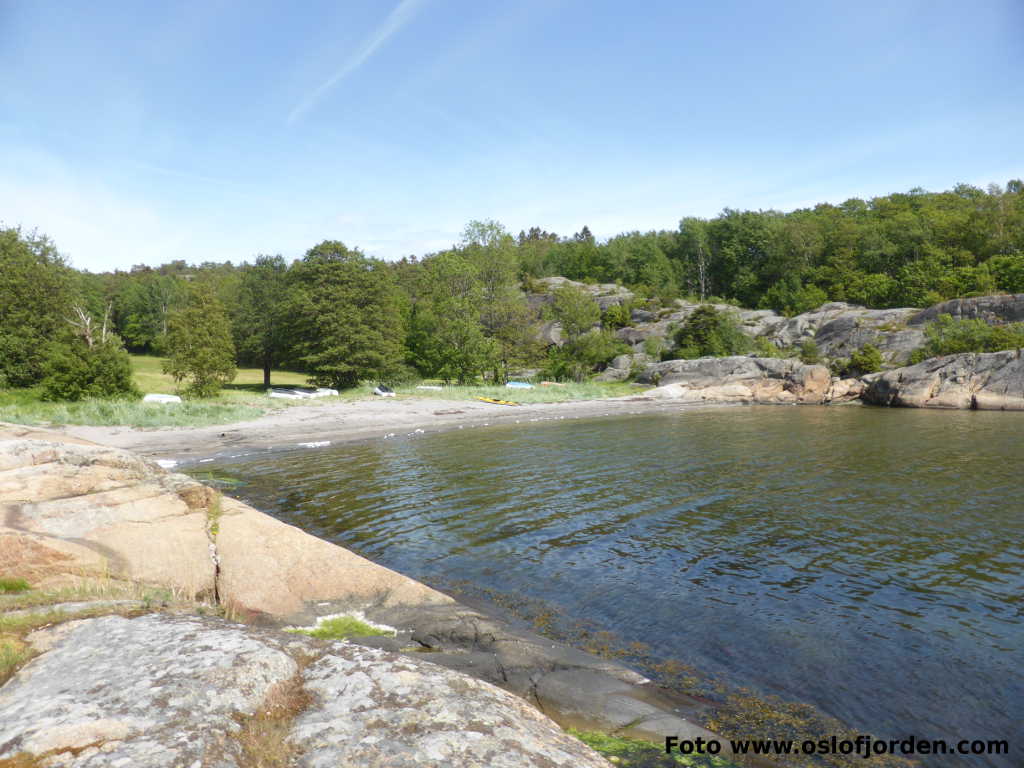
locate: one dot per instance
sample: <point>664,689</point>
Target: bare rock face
<point>605,294</point>
<point>78,509</point>
<point>739,379</point>
<point>840,329</point>
<point>994,310</point>
<point>269,567</point>
<point>374,708</point>
<point>992,381</point>
<point>153,691</point>
<point>620,367</point>
<point>86,510</point>
<point>171,691</point>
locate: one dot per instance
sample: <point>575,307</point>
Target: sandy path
<point>345,422</point>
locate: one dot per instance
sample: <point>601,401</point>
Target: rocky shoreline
<point>173,681</point>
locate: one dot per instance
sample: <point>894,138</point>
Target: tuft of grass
<point>89,590</point>
<point>263,736</point>
<point>633,753</point>
<point>213,516</point>
<point>13,653</point>
<point>339,628</point>
<point>12,586</point>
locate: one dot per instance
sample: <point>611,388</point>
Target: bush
<point>791,297</point>
<point>74,370</point>
<point>578,358</point>
<point>763,347</point>
<point>616,316</point>
<point>809,353</point>
<point>947,336</point>
<point>867,359</point>
<point>653,346</point>
<point>710,333</point>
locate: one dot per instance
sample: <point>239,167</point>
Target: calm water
<point>866,561</point>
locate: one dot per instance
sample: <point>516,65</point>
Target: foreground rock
<point>74,509</point>
<point>991,381</point>
<point>177,691</point>
<point>747,380</point>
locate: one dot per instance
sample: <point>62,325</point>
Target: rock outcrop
<point>992,381</point>
<point>839,329</point>
<point>163,690</point>
<point>605,294</point>
<point>994,310</point>
<point>622,366</point>
<point>746,380</point>
<point>84,510</point>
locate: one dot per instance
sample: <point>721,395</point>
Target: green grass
<point>11,586</point>
<point>25,407</point>
<point>340,627</point>
<point>632,753</point>
<point>13,654</point>
<point>149,376</point>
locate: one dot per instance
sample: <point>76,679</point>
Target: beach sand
<point>331,423</point>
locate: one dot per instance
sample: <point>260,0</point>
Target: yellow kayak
<point>496,402</point>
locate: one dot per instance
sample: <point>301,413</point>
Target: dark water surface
<point>867,561</point>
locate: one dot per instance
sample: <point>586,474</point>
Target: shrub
<point>616,316</point>
<point>710,333</point>
<point>653,346</point>
<point>867,359</point>
<point>74,370</point>
<point>763,347</point>
<point>809,353</point>
<point>791,297</point>
<point>947,336</point>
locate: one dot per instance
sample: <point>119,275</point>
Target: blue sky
<point>218,129</point>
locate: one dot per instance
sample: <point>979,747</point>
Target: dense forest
<point>341,317</point>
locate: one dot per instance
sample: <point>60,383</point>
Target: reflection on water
<point>866,561</point>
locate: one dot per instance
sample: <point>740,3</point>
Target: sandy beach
<point>323,423</point>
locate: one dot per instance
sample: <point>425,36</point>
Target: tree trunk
<point>266,373</point>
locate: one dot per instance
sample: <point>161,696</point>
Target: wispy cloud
<point>400,15</point>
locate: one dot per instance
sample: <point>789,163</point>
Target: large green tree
<point>200,350</point>
<point>260,313</point>
<point>346,323</point>
<point>35,301</point>
<point>447,338</point>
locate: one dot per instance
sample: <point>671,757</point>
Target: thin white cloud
<point>400,15</point>
<point>178,174</point>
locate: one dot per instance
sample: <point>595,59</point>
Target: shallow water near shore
<point>866,561</point>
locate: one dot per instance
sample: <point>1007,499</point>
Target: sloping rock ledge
<point>992,381</point>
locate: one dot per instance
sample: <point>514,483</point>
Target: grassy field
<point>149,377</point>
<point>245,398</point>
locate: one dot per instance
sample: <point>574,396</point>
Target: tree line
<point>463,313</point>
